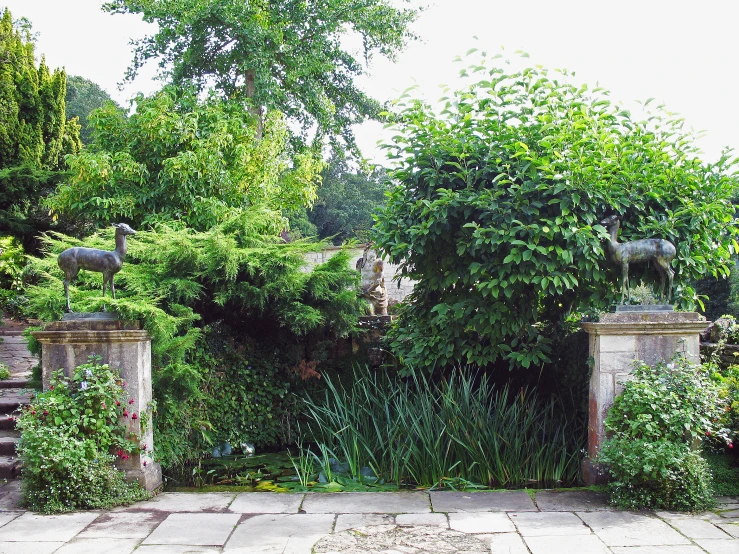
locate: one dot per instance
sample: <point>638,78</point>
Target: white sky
<point>683,53</point>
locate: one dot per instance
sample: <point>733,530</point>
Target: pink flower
<point>134,416</point>
<point>144,463</point>
<point>102,405</point>
<point>125,413</point>
<point>731,445</point>
<point>709,433</point>
<point>117,403</point>
<point>131,401</point>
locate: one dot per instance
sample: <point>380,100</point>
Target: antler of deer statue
<point>659,251</point>
<point>107,262</point>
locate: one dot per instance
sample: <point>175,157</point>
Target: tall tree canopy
<point>347,200</point>
<point>182,158</point>
<point>84,96</point>
<point>497,209</point>
<point>35,134</point>
<point>286,55</point>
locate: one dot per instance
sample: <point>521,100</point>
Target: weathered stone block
<point>125,347</point>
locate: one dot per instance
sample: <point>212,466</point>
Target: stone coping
<point>85,337</point>
<point>647,323</point>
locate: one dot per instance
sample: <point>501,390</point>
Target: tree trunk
<point>254,108</point>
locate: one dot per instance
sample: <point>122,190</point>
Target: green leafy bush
<point>657,426</point>
<point>4,371</point>
<point>496,212</point>
<point>69,434</point>
<point>459,430</point>
<point>178,281</point>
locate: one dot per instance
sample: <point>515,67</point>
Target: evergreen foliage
<point>497,209</point>
<point>182,159</point>
<point>179,281</point>
<point>35,135</point>
<point>33,126</point>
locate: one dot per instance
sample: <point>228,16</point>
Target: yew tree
<point>288,55</point>
<point>496,212</point>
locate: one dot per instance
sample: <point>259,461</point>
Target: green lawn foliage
<point>496,209</point>
<point>657,427</point>
<point>180,283</point>
<point>69,436</point>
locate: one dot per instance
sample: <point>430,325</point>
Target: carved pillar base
<point>125,347</point>
<point>616,341</point>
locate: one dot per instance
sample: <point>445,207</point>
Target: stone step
<point>7,444</point>
<point>15,383</point>
<point>7,422</point>
<point>10,467</point>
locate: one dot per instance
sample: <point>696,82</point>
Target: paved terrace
<point>511,522</point>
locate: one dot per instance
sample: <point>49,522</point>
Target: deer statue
<point>659,251</point>
<point>106,262</point>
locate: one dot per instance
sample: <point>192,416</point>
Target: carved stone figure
<point>659,252</point>
<point>373,282</point>
<point>106,262</point>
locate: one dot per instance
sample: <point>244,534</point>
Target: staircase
<point>14,392</point>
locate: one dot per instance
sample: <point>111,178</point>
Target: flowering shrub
<point>69,434</point>
<point>658,425</point>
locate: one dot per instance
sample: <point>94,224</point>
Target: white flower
<point>83,385</point>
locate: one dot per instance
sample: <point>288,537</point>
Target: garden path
<point>512,522</point>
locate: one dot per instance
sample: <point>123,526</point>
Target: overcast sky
<point>682,53</point>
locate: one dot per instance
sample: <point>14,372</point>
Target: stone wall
<point>396,290</point>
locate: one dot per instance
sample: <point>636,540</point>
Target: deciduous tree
<point>497,209</point>
<point>289,55</point>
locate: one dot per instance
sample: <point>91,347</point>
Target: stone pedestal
<point>616,341</point>
<point>125,347</point>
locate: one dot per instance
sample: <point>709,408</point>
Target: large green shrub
<point>178,281</point>
<point>657,426</point>
<point>497,207</point>
<point>69,435</point>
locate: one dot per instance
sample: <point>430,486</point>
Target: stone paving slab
<point>504,501</point>
<point>571,501</point>
<point>367,503</point>
<point>715,546</point>
<point>194,529</point>
<point>437,520</point>
<point>37,528</point>
<point>695,528</point>
<point>350,521</point>
<point>490,522</point>
<point>123,525</point>
<point>274,532</point>
<point>209,502</point>
<point>631,529</point>
<point>505,543</point>
<point>730,528</point>
<point>674,549</point>
<point>261,503</point>
<point>99,546</point>
<point>29,547</point>
<point>580,544</point>
<point>175,549</point>
<point>7,517</point>
<point>538,524</point>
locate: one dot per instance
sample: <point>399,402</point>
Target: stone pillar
<point>124,346</point>
<point>616,341</point>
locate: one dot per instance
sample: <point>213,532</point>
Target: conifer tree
<point>35,134</point>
